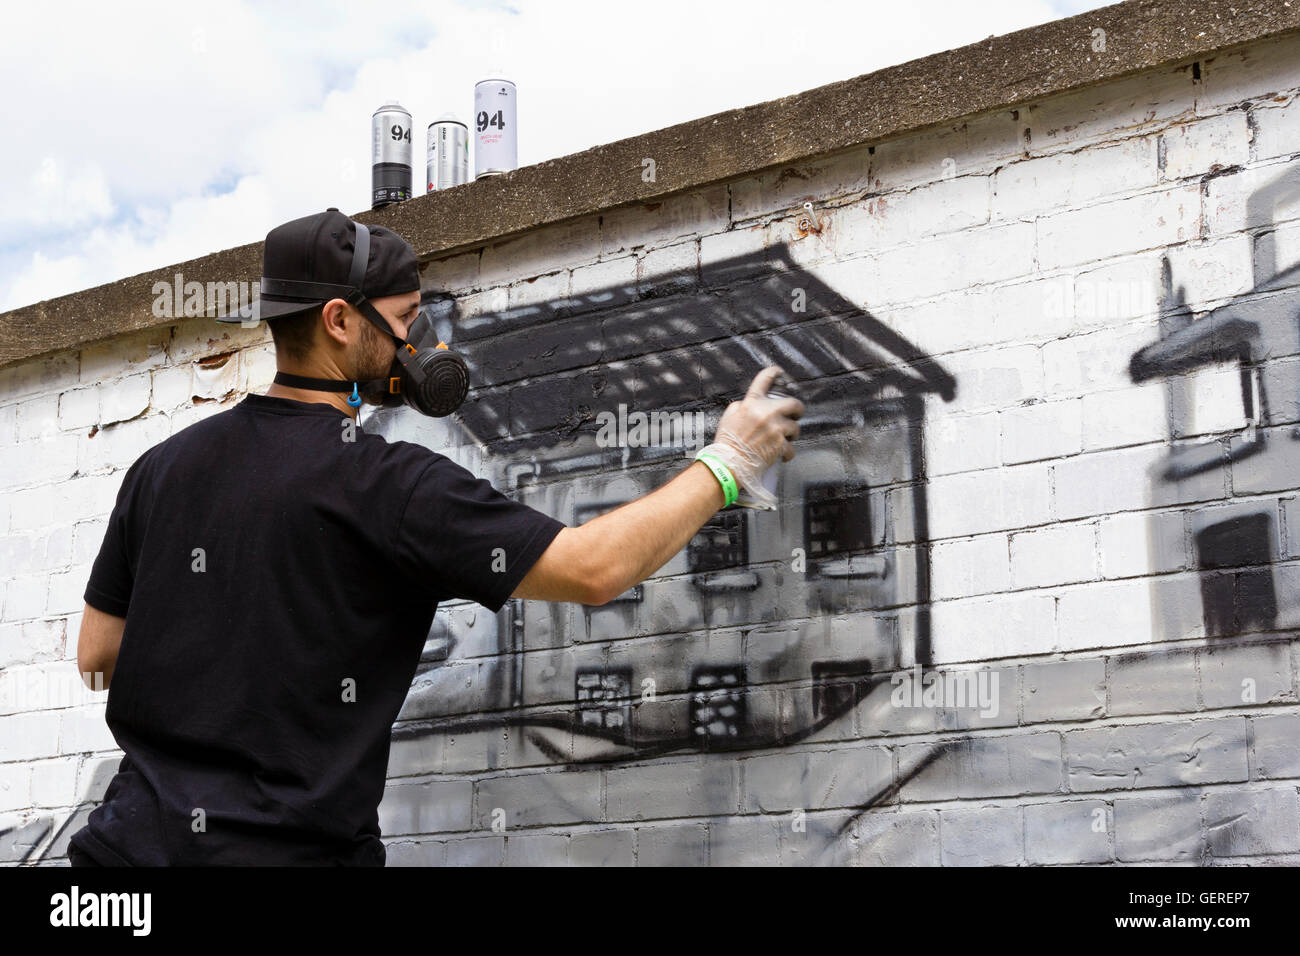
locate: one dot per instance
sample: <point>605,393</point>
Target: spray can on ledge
<point>781,387</point>
<point>390,156</point>
<point>496,136</point>
<point>447,153</point>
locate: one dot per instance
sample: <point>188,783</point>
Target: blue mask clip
<point>355,398</point>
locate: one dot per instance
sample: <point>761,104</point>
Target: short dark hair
<point>295,335</point>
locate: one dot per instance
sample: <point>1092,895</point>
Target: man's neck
<point>337,399</point>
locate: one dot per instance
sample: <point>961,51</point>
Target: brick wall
<point>1052,360</point>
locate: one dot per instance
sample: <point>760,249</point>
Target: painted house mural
<point>764,655</point>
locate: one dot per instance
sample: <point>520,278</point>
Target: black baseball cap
<point>308,261</point>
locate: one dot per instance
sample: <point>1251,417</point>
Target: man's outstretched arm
<point>597,561</point>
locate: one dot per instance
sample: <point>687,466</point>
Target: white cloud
<point>55,199</point>
<point>152,133</point>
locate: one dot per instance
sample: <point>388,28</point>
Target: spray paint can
<point>782,387</point>
<point>390,158</point>
<point>446,153</point>
<point>496,134</point>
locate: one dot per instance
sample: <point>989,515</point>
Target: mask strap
<point>360,256</point>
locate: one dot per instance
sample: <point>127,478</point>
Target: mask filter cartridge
<point>445,385</point>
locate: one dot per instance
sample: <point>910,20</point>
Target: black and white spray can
<point>447,153</point>
<point>496,137</point>
<point>390,159</point>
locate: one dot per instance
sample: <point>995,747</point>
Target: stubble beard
<point>376,355</point>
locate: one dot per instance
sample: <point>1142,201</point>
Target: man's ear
<point>334,317</point>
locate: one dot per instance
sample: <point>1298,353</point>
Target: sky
<point>139,135</point>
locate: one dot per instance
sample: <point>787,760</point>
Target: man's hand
<point>754,434</point>
<point>597,561</point>
<point>762,427</point>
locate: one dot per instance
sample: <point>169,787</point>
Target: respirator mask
<point>426,373</point>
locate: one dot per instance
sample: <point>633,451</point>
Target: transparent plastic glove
<point>754,434</point>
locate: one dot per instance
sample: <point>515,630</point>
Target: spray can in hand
<point>781,387</point>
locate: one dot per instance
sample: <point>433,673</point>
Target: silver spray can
<point>446,153</point>
<point>781,387</point>
<point>390,157</point>
<point>496,139</point>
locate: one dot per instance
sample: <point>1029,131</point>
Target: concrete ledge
<point>1004,71</point>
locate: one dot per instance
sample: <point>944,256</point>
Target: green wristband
<point>730,490</point>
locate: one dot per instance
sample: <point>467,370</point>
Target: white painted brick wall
<point>1124,416</point>
<point>1041,431</point>
<point>1020,250</point>
<point>963,443</point>
<point>54,782</point>
<point>964,567</point>
<point>1207,145</point>
<point>1061,554</point>
<point>1028,189</point>
<point>1277,130</point>
<point>949,205</point>
<point>1134,224</point>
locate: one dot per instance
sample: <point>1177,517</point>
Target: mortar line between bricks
<point>978,411</point>
<point>1001,802</point>
<point>1066,724</point>
<point>1250,639</point>
<point>894,741</point>
<point>1154,649</point>
<point>585,827</point>
<point>1188,645</point>
<point>558,709</point>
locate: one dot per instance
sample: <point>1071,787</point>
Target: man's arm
<point>97,645</point>
<point>599,560</point>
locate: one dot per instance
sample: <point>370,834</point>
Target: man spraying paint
<point>268,575</point>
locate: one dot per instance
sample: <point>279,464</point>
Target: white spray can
<point>496,132</point>
<point>781,388</point>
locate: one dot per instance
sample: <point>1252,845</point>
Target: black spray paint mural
<point>1243,345</point>
<point>770,626</point>
<point>1231,390</point>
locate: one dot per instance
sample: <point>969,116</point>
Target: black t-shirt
<point>278,583</point>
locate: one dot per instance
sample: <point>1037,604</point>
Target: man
<point>269,575</point>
